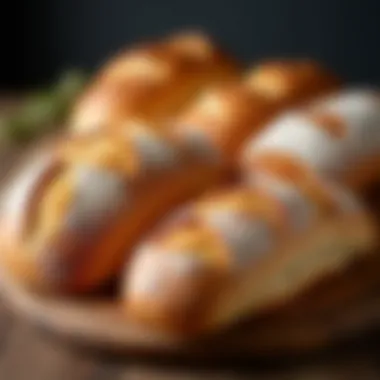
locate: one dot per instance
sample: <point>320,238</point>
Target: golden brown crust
<point>336,137</point>
<point>192,292</point>
<point>288,168</point>
<point>290,81</point>
<point>84,220</point>
<point>330,122</point>
<point>152,81</point>
<point>224,117</point>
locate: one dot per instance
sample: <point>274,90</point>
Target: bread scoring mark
<point>250,203</point>
<point>296,136</point>
<point>301,212</point>
<point>153,270</point>
<point>95,198</point>
<point>142,278</point>
<point>330,122</point>
<point>154,151</point>
<point>248,238</point>
<point>182,217</point>
<point>98,196</point>
<point>19,199</point>
<point>198,143</point>
<point>359,110</point>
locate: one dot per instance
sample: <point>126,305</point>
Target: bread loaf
<point>337,137</point>
<point>222,117</point>
<point>151,82</point>
<point>159,125</point>
<point>297,218</point>
<point>242,252</point>
<point>74,211</point>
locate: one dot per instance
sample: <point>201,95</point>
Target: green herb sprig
<point>43,111</point>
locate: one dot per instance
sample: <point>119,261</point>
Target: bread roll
<point>224,116</point>
<point>242,252</point>
<point>76,209</point>
<point>337,137</point>
<point>297,220</point>
<point>151,82</point>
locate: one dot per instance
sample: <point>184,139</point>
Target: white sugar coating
<point>301,138</point>
<point>155,152</point>
<point>300,210</point>
<point>15,199</point>
<point>360,111</point>
<point>98,195</point>
<point>247,237</point>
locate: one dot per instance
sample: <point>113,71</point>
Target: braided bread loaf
<point>240,252</point>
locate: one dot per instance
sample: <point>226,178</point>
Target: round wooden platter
<point>320,319</point>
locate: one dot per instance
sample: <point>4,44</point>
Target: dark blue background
<point>61,33</point>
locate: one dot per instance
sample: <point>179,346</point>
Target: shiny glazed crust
<point>290,81</point>
<point>224,116</point>
<point>151,82</point>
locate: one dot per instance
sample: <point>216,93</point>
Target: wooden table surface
<point>27,353</point>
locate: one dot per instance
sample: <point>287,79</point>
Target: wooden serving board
<point>340,308</point>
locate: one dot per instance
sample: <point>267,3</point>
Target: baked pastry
<point>151,81</point>
<point>80,204</point>
<point>337,136</point>
<point>89,173</point>
<point>244,252</point>
<point>296,219</point>
<point>290,81</point>
<point>224,116</point>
